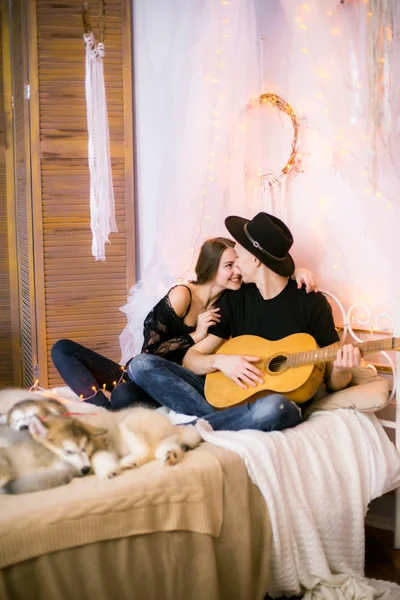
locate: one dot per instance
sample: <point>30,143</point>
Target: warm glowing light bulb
<point>322,73</point>
<point>93,388</point>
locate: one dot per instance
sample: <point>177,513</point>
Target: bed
<point>198,530</point>
<point>244,514</point>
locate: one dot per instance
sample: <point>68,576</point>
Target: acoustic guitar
<point>293,366</point>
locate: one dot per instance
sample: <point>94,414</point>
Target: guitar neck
<point>323,355</point>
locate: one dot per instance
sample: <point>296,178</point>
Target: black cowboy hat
<point>267,238</point>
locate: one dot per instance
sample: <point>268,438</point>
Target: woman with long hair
<point>177,322</point>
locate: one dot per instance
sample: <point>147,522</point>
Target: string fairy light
<point>324,76</point>
<point>36,388</point>
<point>103,387</point>
<point>215,133</point>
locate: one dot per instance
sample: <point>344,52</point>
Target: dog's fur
<point>49,453</point>
<point>128,439</point>
<point>20,415</point>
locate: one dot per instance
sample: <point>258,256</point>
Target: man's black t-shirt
<point>245,312</point>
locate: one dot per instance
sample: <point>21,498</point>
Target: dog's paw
<point>129,462</point>
<point>172,457</point>
<point>109,472</point>
<point>169,455</point>
<point>105,466</point>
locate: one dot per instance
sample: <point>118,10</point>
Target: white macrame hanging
<point>102,207</point>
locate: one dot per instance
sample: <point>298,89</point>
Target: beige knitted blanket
<point>186,497</point>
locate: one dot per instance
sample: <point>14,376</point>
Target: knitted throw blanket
<point>317,480</point>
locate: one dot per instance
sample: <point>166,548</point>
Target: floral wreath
<point>293,163</point>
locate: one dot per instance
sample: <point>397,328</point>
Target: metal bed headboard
<point>357,321</point>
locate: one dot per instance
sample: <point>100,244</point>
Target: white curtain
<point>210,163</point>
<point>200,152</point>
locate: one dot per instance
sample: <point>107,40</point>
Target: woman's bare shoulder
<point>180,298</point>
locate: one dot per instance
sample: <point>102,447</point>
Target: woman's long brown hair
<point>209,258</point>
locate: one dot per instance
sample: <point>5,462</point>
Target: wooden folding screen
<point>7,367</point>
<point>73,295</point>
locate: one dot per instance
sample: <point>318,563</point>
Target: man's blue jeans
<point>182,391</point>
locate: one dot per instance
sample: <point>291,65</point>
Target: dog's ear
<point>94,431</point>
<point>37,428</point>
<point>99,431</point>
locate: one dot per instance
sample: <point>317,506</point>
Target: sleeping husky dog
<point>45,453</point>
<point>119,440</point>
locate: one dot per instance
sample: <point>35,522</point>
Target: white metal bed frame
<point>357,320</point>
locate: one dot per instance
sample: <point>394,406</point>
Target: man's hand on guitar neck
<point>240,369</point>
<point>338,372</point>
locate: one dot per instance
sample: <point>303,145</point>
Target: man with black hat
<point>270,305</point>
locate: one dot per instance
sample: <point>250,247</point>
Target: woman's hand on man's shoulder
<point>306,278</point>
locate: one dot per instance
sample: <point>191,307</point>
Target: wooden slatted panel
<point>82,296</point>
<point>22,193</point>
<point>6,345</point>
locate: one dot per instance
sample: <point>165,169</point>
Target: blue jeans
<point>182,391</point>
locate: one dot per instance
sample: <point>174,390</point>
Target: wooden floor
<point>381,560</point>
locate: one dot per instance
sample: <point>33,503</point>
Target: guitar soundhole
<point>277,364</point>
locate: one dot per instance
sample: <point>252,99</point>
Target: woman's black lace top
<point>165,334</point>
